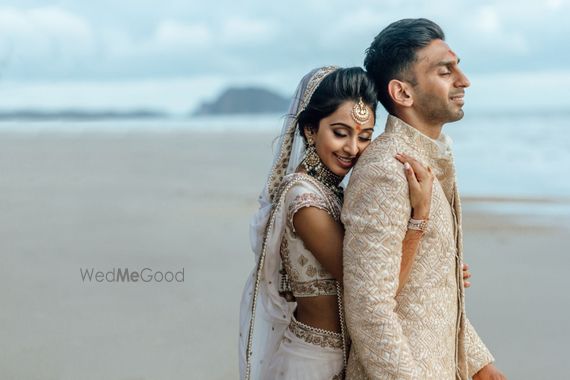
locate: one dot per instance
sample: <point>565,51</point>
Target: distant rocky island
<point>39,115</point>
<point>245,100</point>
<point>234,100</point>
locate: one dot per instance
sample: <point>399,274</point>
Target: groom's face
<point>438,93</point>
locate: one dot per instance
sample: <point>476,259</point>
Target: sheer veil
<point>264,314</point>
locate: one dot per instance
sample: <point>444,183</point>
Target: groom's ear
<point>400,93</point>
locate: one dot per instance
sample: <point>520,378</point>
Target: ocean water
<point>520,155</point>
<point>523,156</point>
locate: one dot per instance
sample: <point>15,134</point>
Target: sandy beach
<point>182,200</point>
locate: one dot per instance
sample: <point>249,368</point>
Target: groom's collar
<point>440,148</point>
<point>435,153</point>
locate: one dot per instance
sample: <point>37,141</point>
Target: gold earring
<point>317,169</point>
<point>310,138</point>
<point>311,159</point>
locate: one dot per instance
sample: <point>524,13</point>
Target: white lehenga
<point>300,357</point>
<point>272,343</point>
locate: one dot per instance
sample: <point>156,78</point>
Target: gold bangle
<point>418,224</point>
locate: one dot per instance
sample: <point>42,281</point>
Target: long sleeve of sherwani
<point>478,356</point>
<point>375,215</point>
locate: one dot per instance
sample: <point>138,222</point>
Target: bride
<point>291,317</point>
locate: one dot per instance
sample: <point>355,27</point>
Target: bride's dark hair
<point>341,85</point>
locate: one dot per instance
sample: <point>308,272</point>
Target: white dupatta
<point>264,314</point>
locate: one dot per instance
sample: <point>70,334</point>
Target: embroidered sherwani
<point>421,333</point>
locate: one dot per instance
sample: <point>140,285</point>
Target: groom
<point>422,332</point>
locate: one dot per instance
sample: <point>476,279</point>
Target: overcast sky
<point>172,54</point>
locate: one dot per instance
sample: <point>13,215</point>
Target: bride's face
<point>340,139</point>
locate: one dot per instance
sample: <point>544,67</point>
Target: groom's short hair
<point>393,53</point>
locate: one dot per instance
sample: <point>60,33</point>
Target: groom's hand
<point>489,372</point>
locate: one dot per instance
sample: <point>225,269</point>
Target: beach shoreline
<point>183,199</point>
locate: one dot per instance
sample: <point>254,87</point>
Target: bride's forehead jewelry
<point>360,113</point>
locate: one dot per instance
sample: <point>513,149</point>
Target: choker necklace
<point>316,169</point>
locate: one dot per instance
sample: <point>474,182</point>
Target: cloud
<point>554,4</point>
<point>44,32</point>
<point>242,31</point>
<point>232,38</point>
<point>487,20</point>
<point>489,29</point>
<point>84,42</point>
<point>171,34</point>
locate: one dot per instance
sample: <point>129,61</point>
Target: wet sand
<point>167,201</point>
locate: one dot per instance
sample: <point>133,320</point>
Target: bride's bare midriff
<point>318,311</point>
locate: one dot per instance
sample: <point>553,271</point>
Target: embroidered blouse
<point>306,276</point>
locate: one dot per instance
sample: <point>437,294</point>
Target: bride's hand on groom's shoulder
<point>420,182</point>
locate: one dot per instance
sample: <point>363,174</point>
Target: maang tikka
<point>360,112</point>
